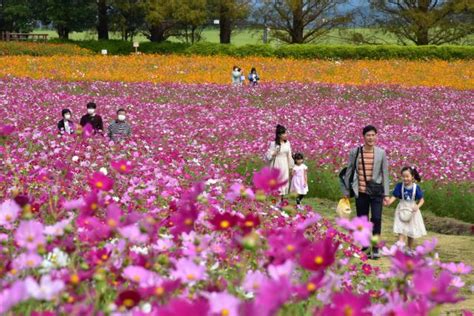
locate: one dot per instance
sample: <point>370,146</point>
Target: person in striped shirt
<point>119,129</point>
<point>368,164</point>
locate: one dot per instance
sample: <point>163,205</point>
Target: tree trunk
<point>225,25</point>
<point>103,23</point>
<point>157,33</point>
<point>298,26</point>
<point>63,32</point>
<point>422,37</point>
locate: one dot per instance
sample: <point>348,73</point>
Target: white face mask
<point>91,111</point>
<point>67,116</point>
<point>121,117</point>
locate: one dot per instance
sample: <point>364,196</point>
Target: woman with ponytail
<point>408,222</point>
<point>280,157</point>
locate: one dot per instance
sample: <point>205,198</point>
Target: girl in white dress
<point>408,223</point>
<point>279,156</point>
<point>299,179</point>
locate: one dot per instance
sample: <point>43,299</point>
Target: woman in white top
<point>280,157</point>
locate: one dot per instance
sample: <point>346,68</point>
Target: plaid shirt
<point>119,130</point>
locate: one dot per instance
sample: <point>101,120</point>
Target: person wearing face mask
<point>93,119</point>
<point>119,129</point>
<point>66,126</point>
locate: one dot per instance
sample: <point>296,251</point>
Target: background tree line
<point>421,22</point>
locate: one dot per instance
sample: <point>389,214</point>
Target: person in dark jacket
<point>120,129</point>
<point>92,118</point>
<point>66,126</point>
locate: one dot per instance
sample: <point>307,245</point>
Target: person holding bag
<point>367,179</point>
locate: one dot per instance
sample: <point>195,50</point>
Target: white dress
<point>415,228</point>
<point>283,162</point>
<point>298,185</point>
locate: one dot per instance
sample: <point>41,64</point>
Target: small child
<point>408,220</point>
<point>299,180</point>
<point>253,77</point>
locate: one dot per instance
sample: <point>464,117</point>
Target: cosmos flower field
<point>166,225</point>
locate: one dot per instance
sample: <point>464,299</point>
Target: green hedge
<point>455,200</point>
<point>41,49</point>
<point>303,51</point>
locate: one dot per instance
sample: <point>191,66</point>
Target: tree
<point>159,20</point>
<point>190,16</point>
<point>302,21</point>
<point>71,15</point>
<point>127,17</point>
<point>102,19</point>
<point>425,22</point>
<point>229,13</point>
<point>16,15</point>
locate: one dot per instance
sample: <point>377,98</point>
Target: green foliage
<point>16,15</point>
<point>305,51</point>
<point>41,49</point>
<point>71,15</point>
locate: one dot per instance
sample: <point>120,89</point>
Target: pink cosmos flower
<point>188,272</point>
<point>47,289</point>
<point>271,296</point>
<point>285,244</point>
<point>285,270</point>
<point>9,297</point>
<point>253,281</point>
<point>268,180</point>
<point>347,303</point>
<point>122,166</point>
<point>58,228</point>
<point>237,190</point>
<point>27,261</point>
<point>405,263</point>
<point>223,303</point>
<point>114,215</point>
<point>133,234</point>
<point>9,211</point>
<point>360,227</point>
<point>435,289</point>
<point>101,182</point>
<point>140,275</point>
<point>319,255</point>
<point>457,268</point>
<point>29,234</point>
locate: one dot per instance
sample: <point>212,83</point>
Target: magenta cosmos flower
<point>122,166</point>
<point>224,221</point>
<point>30,235</point>
<point>141,276</point>
<point>100,181</point>
<point>268,180</point>
<point>345,304</point>
<point>9,211</point>
<point>6,130</point>
<point>360,227</point>
<point>181,307</point>
<point>319,255</point>
<point>405,263</point>
<point>435,289</point>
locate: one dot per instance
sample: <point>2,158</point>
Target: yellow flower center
<point>128,302</point>
<point>290,248</point>
<point>248,224</point>
<point>190,277</point>
<point>348,311</point>
<point>159,291</point>
<point>104,257</point>
<point>225,312</point>
<point>188,221</point>
<point>225,224</point>
<point>29,238</point>
<point>311,287</point>
<point>94,206</point>
<point>360,228</point>
<point>123,167</point>
<point>136,278</point>
<point>8,217</point>
<point>99,184</point>
<point>74,279</point>
<point>30,263</point>
<point>111,222</point>
<point>410,265</point>
<point>272,183</point>
<point>318,260</point>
